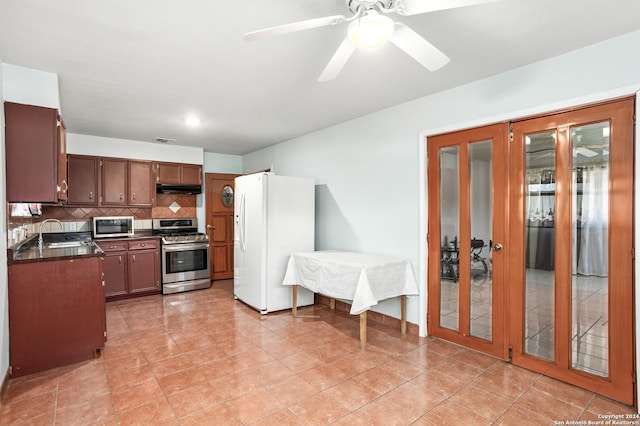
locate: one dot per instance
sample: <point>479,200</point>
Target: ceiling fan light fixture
<point>371,31</point>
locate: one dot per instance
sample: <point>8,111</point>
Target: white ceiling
<point>134,69</point>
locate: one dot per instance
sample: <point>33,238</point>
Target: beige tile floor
<point>201,358</point>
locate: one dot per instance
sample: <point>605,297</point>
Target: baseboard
<point>387,320</point>
<point>4,385</point>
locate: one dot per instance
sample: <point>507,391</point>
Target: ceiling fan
<point>370,28</point>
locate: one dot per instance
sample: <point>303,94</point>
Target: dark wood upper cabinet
<point>35,143</point>
<point>107,181</point>
<point>63,182</point>
<point>83,180</point>
<point>178,173</point>
<point>141,183</point>
<point>169,173</point>
<point>114,182</point>
<point>192,174</point>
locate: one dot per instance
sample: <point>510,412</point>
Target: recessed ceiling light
<point>192,120</point>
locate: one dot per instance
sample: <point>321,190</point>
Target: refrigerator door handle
<point>243,221</point>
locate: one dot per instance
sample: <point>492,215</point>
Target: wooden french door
<point>571,255</point>
<point>219,213</point>
<point>531,244</point>
<point>467,238</point>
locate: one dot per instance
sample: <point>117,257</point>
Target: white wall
<point>222,163</point>
<point>28,86</point>
<point>4,298</point>
<point>370,172</point>
<point>123,148</point>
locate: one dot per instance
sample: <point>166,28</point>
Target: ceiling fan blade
<point>418,48</point>
<point>416,7</point>
<point>293,27</point>
<point>338,60</point>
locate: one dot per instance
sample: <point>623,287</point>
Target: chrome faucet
<point>40,241</point>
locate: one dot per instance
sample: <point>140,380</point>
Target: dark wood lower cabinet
<point>115,271</point>
<point>56,313</point>
<point>142,265</point>
<point>131,267</point>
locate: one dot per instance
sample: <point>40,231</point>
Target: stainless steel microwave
<point>113,226</point>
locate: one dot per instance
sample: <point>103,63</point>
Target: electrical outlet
<point>72,226</point>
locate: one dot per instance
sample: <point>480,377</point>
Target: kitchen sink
<point>66,244</point>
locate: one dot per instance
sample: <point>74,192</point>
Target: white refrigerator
<point>274,217</point>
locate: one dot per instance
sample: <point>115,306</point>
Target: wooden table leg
<point>403,314</point>
<point>363,330</point>
<point>294,297</point>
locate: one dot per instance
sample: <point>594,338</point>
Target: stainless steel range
<point>185,255</point>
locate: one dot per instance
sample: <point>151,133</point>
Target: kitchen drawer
<point>108,246</point>
<point>144,245</point>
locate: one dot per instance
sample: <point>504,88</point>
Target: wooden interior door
<point>220,191</point>
<point>467,238</point>
<point>571,258</point>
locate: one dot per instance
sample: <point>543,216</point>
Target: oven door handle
<point>184,247</point>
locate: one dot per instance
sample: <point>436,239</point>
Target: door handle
<point>497,247</point>
<point>211,227</point>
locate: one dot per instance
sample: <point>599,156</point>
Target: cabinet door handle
<point>121,197</point>
<point>134,258</point>
<point>91,195</point>
<point>119,260</point>
<point>134,196</point>
<point>66,186</point>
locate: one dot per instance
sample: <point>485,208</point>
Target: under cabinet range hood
<point>166,188</point>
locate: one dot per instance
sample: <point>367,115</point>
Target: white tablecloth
<point>362,278</point>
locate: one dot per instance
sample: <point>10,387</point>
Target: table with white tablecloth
<point>362,278</point>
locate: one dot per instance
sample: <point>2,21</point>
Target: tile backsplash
<point>78,219</point>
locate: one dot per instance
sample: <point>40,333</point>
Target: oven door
<point>185,262</point>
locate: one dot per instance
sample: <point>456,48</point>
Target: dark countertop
<point>145,233</point>
<point>27,251</point>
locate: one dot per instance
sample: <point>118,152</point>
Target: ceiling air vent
<point>165,140</point>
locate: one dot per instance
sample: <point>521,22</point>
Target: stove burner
<point>177,231</point>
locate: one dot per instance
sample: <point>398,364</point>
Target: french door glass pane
<point>449,231</point>
<point>480,185</point>
<point>590,248</point>
<point>540,201</point>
